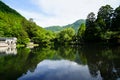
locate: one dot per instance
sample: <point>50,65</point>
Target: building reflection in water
<point>8,50</point>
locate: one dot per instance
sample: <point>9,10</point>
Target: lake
<point>88,62</point>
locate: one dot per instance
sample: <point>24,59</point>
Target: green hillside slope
<point>12,24</point>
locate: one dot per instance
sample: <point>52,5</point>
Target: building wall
<point>8,41</point>
<point>2,44</point>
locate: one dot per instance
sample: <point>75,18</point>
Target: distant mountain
<point>74,25</point>
<point>54,28</point>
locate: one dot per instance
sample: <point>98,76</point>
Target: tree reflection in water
<point>102,62</point>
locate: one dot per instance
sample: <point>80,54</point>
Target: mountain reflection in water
<point>60,70</point>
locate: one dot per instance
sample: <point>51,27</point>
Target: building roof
<point>7,38</point>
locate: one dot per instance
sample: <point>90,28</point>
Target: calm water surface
<point>91,62</point>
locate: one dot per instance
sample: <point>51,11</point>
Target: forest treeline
<point>103,27</point>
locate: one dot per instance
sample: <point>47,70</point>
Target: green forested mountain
<point>12,24</point>
<point>74,25</point>
<point>54,28</point>
<point>6,9</point>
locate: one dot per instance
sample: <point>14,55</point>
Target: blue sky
<point>58,12</point>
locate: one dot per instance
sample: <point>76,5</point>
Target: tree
<point>116,20</point>
<point>66,35</point>
<point>81,31</point>
<point>105,15</point>
<point>31,20</point>
<point>92,30</point>
<point>90,19</point>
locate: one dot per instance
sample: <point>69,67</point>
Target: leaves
<point>12,24</point>
<point>66,35</point>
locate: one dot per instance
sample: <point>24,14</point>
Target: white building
<point>8,42</point>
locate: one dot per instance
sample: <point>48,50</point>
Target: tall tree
<point>90,19</point>
<point>105,15</point>
<point>92,31</point>
<point>116,20</point>
<point>81,31</point>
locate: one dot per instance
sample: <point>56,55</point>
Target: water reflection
<point>60,70</point>
<point>104,59</point>
<point>90,61</point>
<point>8,50</point>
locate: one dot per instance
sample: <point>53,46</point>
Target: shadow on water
<point>62,63</point>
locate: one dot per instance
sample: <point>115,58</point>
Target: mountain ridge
<point>75,25</point>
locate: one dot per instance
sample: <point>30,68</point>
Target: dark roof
<point>3,38</point>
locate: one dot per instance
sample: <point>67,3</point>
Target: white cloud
<point>42,20</point>
<point>65,11</point>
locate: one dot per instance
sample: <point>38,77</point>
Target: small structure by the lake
<point>8,41</point>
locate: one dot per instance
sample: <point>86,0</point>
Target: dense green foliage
<point>7,9</point>
<point>12,24</point>
<point>36,33</point>
<point>74,25</point>
<point>81,31</point>
<point>105,27</point>
<point>116,19</point>
<point>65,35</point>
<point>92,31</point>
